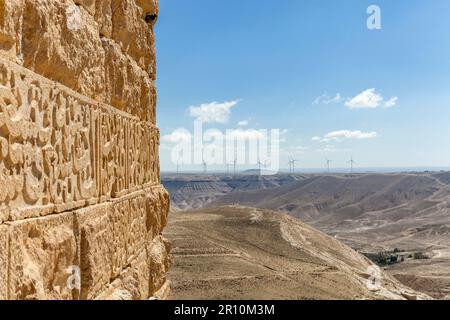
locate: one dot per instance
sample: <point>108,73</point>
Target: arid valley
<point>314,235</point>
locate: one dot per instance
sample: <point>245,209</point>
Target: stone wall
<point>82,208</point>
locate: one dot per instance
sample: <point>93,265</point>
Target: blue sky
<point>313,69</point>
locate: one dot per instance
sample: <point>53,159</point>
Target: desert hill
<point>380,207</point>
<point>337,198</point>
<point>371,213</point>
<point>375,213</point>
<point>235,252</point>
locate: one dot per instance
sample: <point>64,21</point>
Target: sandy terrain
<point>244,253</point>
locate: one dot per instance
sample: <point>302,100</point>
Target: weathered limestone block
<point>158,205</point>
<point>101,10</point>
<point>61,151</point>
<point>4,259</point>
<point>61,42</point>
<point>149,7</point>
<point>164,292</point>
<point>133,33</point>
<point>146,275</point>
<point>10,22</point>
<point>132,283</point>
<point>160,261</point>
<point>129,23</point>
<point>113,236</point>
<point>4,210</point>
<point>127,219</point>
<point>143,170</point>
<point>46,139</point>
<point>136,278</point>
<point>95,238</point>
<point>128,87</point>
<point>41,252</point>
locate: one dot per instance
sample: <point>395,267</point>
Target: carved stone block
<point>128,222</point>
<point>42,251</point>
<point>60,151</point>
<point>160,261</point>
<point>95,238</point>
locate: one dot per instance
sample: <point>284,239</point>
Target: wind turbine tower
<point>352,164</point>
<point>259,166</point>
<point>328,161</point>
<point>293,161</point>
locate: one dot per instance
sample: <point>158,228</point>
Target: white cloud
<point>178,135</point>
<point>366,99</point>
<point>391,102</point>
<point>337,98</point>
<point>346,134</point>
<point>243,123</point>
<point>370,99</point>
<point>213,112</point>
<point>325,99</point>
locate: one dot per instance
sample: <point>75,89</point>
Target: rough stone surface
<point>95,239</point>
<point>82,208</point>
<point>4,251</point>
<point>10,21</point>
<point>41,251</point>
<point>127,85</point>
<point>160,262</point>
<point>71,43</point>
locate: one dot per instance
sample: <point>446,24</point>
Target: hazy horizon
<point>322,170</point>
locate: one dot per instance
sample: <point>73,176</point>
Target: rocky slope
<point>374,214</point>
<point>243,253</point>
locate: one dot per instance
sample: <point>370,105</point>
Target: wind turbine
<point>293,161</point>
<point>328,161</point>
<point>204,164</point>
<point>178,166</point>
<point>352,163</point>
<point>259,166</point>
<point>234,166</point>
